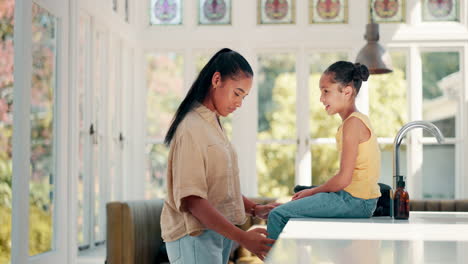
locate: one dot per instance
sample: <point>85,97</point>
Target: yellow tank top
<point>367,171</point>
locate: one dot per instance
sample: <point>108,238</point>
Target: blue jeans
<point>321,205</point>
<point>207,248</point>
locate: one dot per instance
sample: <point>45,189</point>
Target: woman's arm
<point>351,137</point>
<point>254,240</point>
<point>258,210</point>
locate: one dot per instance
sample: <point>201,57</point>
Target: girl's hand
<point>256,242</point>
<point>303,193</point>
<point>262,211</point>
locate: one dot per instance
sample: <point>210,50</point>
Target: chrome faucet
<point>399,137</point>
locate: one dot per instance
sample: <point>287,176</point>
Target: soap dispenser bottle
<point>401,200</point>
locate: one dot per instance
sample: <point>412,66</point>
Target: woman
<point>204,202</point>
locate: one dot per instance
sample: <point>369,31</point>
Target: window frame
<point>21,137</point>
<point>303,37</point>
<point>188,67</point>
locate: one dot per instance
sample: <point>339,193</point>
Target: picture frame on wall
<point>328,12</point>
<point>114,5</point>
<point>166,12</point>
<point>127,11</point>
<point>214,12</point>
<point>387,11</point>
<point>444,10</point>
<point>276,12</point>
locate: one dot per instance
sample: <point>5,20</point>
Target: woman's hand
<point>256,242</point>
<point>262,211</point>
<point>303,193</point>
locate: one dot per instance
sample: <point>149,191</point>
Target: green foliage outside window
<point>273,67</point>
<point>6,126</point>
<point>387,99</point>
<point>164,75</point>
<point>437,65</point>
<point>40,233</point>
<point>42,110</point>
<point>276,120</point>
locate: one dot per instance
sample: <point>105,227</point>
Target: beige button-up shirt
<point>202,162</point>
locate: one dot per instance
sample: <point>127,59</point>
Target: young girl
<point>204,202</point>
<point>353,191</point>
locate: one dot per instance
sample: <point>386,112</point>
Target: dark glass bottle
<point>401,201</point>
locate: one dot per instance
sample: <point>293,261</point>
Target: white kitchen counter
<point>427,237</point>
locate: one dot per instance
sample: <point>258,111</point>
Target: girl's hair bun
<point>360,72</point>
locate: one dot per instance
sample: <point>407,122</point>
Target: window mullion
<point>303,157</point>
<point>461,148</point>
<point>104,139</point>
<point>22,127</point>
<point>415,148</point>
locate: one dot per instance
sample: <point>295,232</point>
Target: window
<point>283,135</point>
<point>83,145</point>
<point>97,172</point>
<point>41,162</point>
<point>6,128</point>
<point>43,127</point>
<point>442,83</point>
<point>276,135</point>
<point>97,175</point>
<point>164,82</point>
<point>114,116</point>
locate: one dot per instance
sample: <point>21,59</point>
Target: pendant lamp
<point>373,55</point>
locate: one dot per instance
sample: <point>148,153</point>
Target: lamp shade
<point>373,55</point>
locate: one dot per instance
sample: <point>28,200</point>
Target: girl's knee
<point>273,214</point>
<point>277,216</point>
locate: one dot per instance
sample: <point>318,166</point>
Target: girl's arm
<point>254,240</point>
<point>351,137</point>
